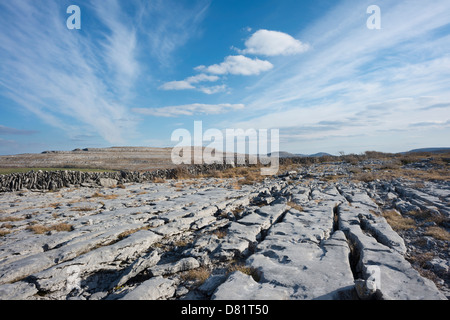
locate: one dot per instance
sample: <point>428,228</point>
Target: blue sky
<point>137,70</point>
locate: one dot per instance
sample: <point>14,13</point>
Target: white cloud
<point>189,109</point>
<point>187,84</point>
<point>13,131</point>
<point>120,47</point>
<point>213,89</point>
<point>273,43</point>
<point>238,65</point>
<point>177,85</point>
<point>202,78</point>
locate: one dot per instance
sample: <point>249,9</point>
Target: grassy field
<point>19,170</point>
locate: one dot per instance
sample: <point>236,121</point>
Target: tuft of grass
<point>438,233</point>
<point>251,271</point>
<point>125,234</point>
<point>40,229</point>
<point>398,222</point>
<point>332,178</point>
<point>7,226</point>
<point>104,196</point>
<point>429,216</point>
<point>295,206</point>
<point>220,234</point>
<point>11,219</point>
<point>199,275</point>
<point>158,180</point>
<point>4,233</point>
<point>365,177</point>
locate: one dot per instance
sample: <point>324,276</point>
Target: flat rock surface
<point>299,235</point>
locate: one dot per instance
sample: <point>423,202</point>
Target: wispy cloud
<point>57,73</point>
<point>168,25</point>
<point>431,124</point>
<point>191,83</point>
<point>443,105</point>
<point>82,81</point>
<point>13,131</point>
<point>120,43</point>
<point>189,110</point>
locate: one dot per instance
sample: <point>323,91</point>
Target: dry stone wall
<point>53,180</point>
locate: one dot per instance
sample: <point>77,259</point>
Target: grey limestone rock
<point>157,288</point>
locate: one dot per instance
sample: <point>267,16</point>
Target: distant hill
<point>319,154</point>
<point>284,154</point>
<point>432,150</point>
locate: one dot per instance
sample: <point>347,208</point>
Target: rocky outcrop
<point>293,236</point>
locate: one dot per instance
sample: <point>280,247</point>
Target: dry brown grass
<point>295,206</point>
<point>244,175</point>
<point>7,226</point>
<point>438,233</point>
<point>332,178</point>
<point>127,233</point>
<point>251,271</point>
<point>220,234</point>
<point>236,186</point>
<point>104,196</point>
<point>158,180</point>
<point>11,219</point>
<point>421,258</point>
<point>237,211</point>
<point>40,229</point>
<point>4,233</point>
<point>199,275</point>
<point>411,174</point>
<point>398,222</point>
